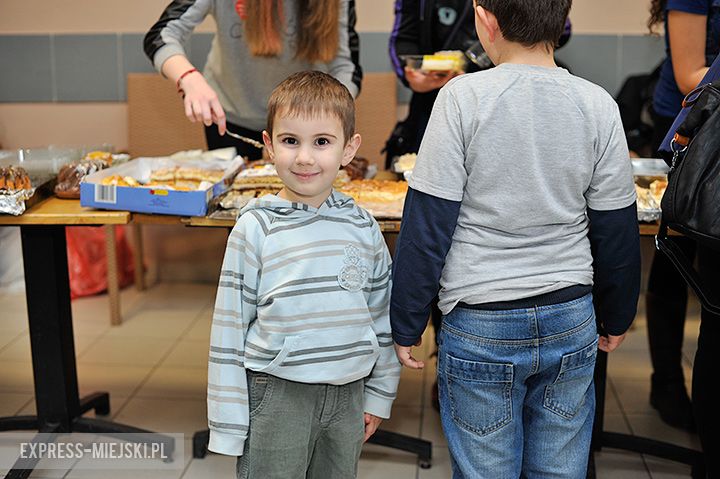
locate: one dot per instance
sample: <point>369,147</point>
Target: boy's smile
<point>308,153</point>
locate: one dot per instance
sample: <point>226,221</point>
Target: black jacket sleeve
<point>615,245</point>
<point>425,237</point>
<point>406,34</point>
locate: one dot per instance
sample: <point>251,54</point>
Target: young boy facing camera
<point>302,367</point>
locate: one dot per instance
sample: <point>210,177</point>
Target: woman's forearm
<point>687,35</point>
<point>175,66</point>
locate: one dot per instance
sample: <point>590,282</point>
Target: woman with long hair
<point>692,36</point>
<point>258,44</point>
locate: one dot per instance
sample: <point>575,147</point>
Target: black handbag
<point>691,203</point>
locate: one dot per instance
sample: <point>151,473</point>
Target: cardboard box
<point>154,200</point>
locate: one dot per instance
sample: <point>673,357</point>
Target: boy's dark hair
<point>308,94</point>
<point>529,22</point>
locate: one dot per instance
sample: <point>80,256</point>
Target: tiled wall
<point>92,68</point>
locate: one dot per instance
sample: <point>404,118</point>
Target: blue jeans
<point>516,390</point>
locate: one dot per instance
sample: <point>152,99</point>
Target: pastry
<point>657,189</point>
<point>357,168</point>
<point>405,162</point>
<point>14,178</point>
<point>105,156</point>
<point>199,174</point>
<point>263,176</point>
<point>163,174</point>
<point>71,175</point>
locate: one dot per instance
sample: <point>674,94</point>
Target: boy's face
<point>308,153</point>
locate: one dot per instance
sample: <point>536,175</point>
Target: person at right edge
<point>521,214</point>
<point>707,356</point>
<point>692,38</point>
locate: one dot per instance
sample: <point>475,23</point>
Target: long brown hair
<point>657,14</point>
<point>317,27</point>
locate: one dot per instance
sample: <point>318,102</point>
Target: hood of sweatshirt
<point>336,205</point>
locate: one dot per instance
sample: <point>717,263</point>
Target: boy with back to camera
<point>520,206</point>
<point>302,366</point>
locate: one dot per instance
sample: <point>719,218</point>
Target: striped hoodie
<point>303,295</point>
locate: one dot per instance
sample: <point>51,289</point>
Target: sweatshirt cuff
<point>377,406</point>
<point>228,444</point>
<point>167,51</point>
<point>404,340</point>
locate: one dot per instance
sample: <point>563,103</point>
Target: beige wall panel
<point>375,15</point>
<point>63,124</point>
<point>104,16</point>
<point>610,16</point>
<point>133,16</point>
<point>82,16</point>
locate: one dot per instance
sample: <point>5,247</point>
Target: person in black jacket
<point>423,28</point>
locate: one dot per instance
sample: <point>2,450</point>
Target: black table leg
<point>418,446</point>
<point>58,403</point>
<point>632,443</point>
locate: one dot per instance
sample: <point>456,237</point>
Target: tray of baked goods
<point>384,199</point>
<point>650,175</point>
<point>15,189</point>
<point>181,184</point>
<point>29,175</point>
<point>260,178</point>
<point>445,61</point>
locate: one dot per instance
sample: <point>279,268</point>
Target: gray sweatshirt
<point>303,295</point>
<point>242,81</point>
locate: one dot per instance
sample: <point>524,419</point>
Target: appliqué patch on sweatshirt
<point>354,273</point>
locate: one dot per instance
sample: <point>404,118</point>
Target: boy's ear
<point>268,144</point>
<point>488,21</point>
<point>351,148</point>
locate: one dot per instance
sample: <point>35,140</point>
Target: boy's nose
<point>304,156</point>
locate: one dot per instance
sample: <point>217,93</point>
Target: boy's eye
<point>289,141</point>
<point>322,141</point>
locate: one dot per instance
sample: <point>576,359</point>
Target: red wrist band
<point>192,70</point>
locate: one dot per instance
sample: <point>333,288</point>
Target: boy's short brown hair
<point>529,22</point>
<point>309,94</point>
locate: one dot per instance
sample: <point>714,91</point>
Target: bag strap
<point>666,246</point>
<point>696,116</point>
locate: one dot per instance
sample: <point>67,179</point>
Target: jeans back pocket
<point>567,393</point>
<point>479,393</point>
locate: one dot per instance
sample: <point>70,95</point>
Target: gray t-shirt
<point>526,149</point>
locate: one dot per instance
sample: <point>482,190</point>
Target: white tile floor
<point>154,366</point>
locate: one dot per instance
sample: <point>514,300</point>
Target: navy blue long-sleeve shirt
<point>426,236</point>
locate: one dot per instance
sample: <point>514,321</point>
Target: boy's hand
<point>423,82</point>
<point>404,354</point>
<point>371,425</point>
<point>610,343</point>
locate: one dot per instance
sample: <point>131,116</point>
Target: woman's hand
<point>371,425</point>
<point>201,102</point>
<point>423,82</point>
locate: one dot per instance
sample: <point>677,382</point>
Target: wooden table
<point>47,290</point>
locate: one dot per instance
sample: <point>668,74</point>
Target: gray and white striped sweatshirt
<point>303,295</point>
